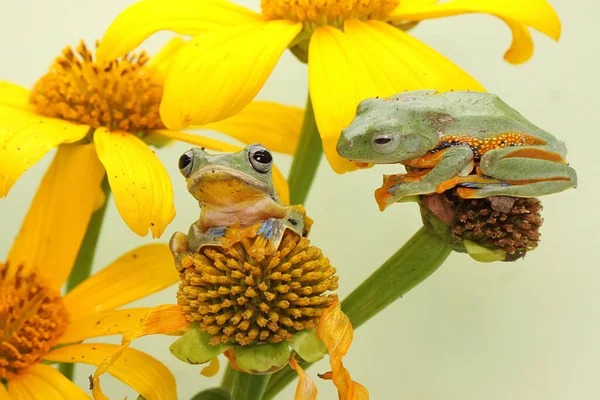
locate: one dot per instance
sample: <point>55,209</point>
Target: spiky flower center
<point>32,319</point>
<point>125,95</point>
<point>244,299</point>
<point>327,12</point>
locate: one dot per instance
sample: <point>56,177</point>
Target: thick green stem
<point>83,264</point>
<point>307,158</point>
<point>409,266</point>
<point>229,378</point>
<point>249,387</point>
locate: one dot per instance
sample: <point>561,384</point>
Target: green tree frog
<point>469,140</point>
<point>234,191</point>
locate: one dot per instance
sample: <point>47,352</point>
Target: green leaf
<point>308,346</point>
<point>213,394</point>
<point>483,254</point>
<point>262,358</point>
<point>194,347</point>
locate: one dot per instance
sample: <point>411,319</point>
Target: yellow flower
<point>116,108</point>
<point>355,49</point>
<point>262,308</point>
<point>38,324</point>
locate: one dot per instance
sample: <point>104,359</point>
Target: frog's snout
<point>344,145</point>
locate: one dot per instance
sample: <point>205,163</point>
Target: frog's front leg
<point>446,165</point>
<point>524,171</point>
<point>178,244</point>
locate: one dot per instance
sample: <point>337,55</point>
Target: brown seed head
<point>238,298</point>
<point>32,319</point>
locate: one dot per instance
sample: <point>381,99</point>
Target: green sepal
<point>483,254</point>
<point>212,394</point>
<point>308,346</point>
<point>262,358</point>
<point>194,347</point>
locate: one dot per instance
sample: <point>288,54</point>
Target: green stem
<point>307,158</point>
<point>249,387</point>
<point>229,378</point>
<point>83,264</point>
<point>409,266</point>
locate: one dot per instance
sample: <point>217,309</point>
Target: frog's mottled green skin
<point>233,190</point>
<point>416,126</point>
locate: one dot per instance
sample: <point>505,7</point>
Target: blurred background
<point>522,330</point>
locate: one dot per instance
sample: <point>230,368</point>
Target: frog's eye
<point>260,159</point>
<point>385,143</point>
<point>186,161</point>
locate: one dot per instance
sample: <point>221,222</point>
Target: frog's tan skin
<point>234,190</point>
<point>467,139</point>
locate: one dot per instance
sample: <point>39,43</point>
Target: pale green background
<point>521,331</point>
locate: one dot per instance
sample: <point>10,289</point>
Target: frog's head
<point>227,179</point>
<point>391,130</point>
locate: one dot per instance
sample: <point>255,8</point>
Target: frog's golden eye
<point>260,159</point>
<point>385,143</point>
<point>186,161</point>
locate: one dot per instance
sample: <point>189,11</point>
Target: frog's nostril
<point>350,143</point>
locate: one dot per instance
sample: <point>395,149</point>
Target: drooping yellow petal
<point>368,60</point>
<point>57,219</point>
<point>212,368</point>
<point>43,382</point>
<point>273,125</point>
<point>186,17</point>
<point>24,139</point>
<point>159,64</point>
<point>3,393</point>
<point>134,275</point>
<point>521,48</point>
<point>336,333</point>
<point>112,322</point>
<point>143,373</point>
<point>198,140</point>
<point>215,75</point>
<point>537,14</point>
<point>306,389</point>
<point>139,182</point>
<point>281,186</point>
<point>14,96</point>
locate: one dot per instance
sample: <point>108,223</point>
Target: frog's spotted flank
<point>244,299</point>
<point>125,95</point>
<point>482,145</point>
<point>33,318</point>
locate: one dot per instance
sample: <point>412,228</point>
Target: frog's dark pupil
<point>383,140</point>
<point>184,161</point>
<point>262,156</point>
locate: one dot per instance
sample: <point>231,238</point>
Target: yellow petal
<point>3,393</point>
<point>537,14</point>
<point>43,382</point>
<point>57,219</point>
<point>336,333</point>
<point>306,389</point>
<point>273,125</point>
<point>139,182</point>
<point>281,186</point>
<point>368,60</point>
<point>112,322</point>
<point>15,96</point>
<point>186,17</point>
<point>143,373</point>
<point>134,275</point>
<point>198,140</point>
<point>521,48</point>
<point>160,63</point>
<point>215,75</point>
<point>25,138</point>
<point>212,368</point>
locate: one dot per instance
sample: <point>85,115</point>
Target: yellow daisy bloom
<point>38,324</point>
<point>116,107</point>
<point>355,49</point>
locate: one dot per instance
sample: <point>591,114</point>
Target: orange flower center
<point>239,297</point>
<point>32,319</point>
<point>124,96</point>
<point>327,12</point>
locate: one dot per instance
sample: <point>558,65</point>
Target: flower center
<point>32,319</point>
<point>239,299</point>
<point>124,96</point>
<point>327,12</point>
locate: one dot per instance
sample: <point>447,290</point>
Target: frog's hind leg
<point>527,171</point>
